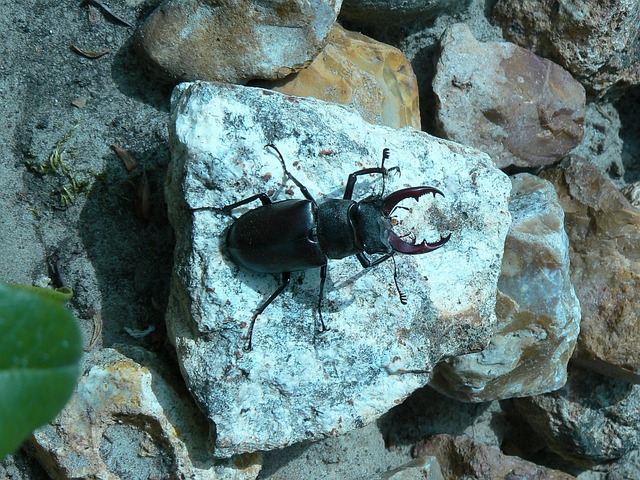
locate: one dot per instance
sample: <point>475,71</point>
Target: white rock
<point>297,384</point>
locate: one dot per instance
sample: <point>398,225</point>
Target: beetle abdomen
<point>276,238</point>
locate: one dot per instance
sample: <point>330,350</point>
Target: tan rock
<point>458,454</point>
<point>126,421</point>
<point>519,108</point>
<point>235,40</point>
<point>373,78</point>
<point>537,309</point>
<point>604,237</point>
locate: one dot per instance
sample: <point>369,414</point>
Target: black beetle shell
<point>335,231</point>
<point>276,238</point>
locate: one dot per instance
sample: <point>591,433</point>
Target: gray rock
<point>537,309</point>
<point>602,144</point>
<point>235,41</point>
<point>591,421</point>
<point>628,467</point>
<point>632,193</point>
<point>598,42</point>
<point>519,108</point>
<point>296,384</point>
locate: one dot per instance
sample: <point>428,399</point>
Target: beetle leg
<point>263,197</point>
<point>403,297</point>
<point>353,177</point>
<point>299,184</point>
<point>323,277</point>
<point>367,263</point>
<point>286,276</point>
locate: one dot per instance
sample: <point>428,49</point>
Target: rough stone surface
<point>604,237</point>
<point>296,384</point>
<point>463,459</point>
<point>598,42</point>
<point>125,422</point>
<point>519,108</point>
<point>373,78</point>
<point>632,193</point>
<point>591,421</point>
<point>627,468</point>
<point>602,144</point>
<point>375,11</point>
<point>235,41</point>
<point>537,309</point>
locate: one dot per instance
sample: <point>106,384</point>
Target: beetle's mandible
<point>292,235</point>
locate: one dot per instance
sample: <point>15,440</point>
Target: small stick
<point>109,12</point>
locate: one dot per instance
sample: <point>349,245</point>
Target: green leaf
<point>40,350</point>
<point>62,294</point>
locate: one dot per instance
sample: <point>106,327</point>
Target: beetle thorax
<point>336,234</point>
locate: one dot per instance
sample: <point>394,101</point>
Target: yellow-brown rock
<point>128,414</point>
<point>604,238</point>
<point>373,78</point>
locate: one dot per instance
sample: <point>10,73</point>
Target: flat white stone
<point>297,384</point>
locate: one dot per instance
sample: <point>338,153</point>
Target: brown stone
<point>504,100</point>
<point>235,41</point>
<point>604,237</point>
<point>598,42</point>
<point>463,458</point>
<point>373,78</point>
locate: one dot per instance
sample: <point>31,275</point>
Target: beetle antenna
<point>403,297</point>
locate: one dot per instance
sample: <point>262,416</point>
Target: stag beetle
<point>292,235</point>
